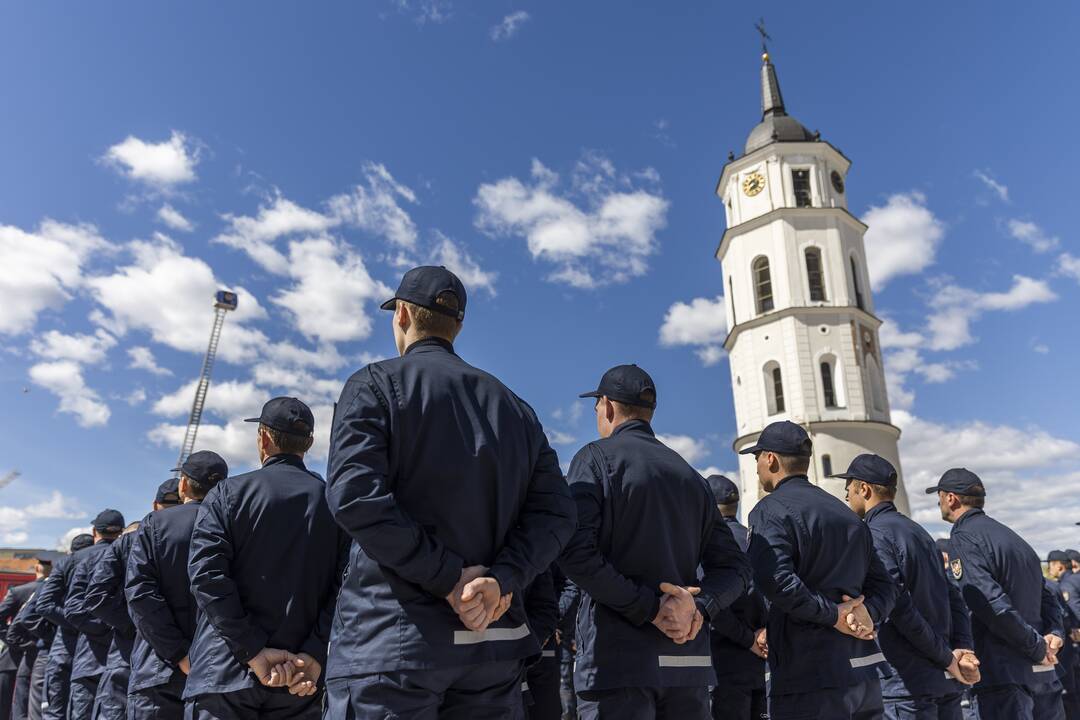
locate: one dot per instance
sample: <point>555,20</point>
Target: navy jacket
<point>1054,613</point>
<point>95,636</point>
<point>159,596</point>
<point>49,603</point>
<point>930,618</point>
<point>1001,580</point>
<point>644,517</point>
<point>733,630</point>
<point>542,609</point>
<point>569,596</point>
<point>809,549</point>
<point>434,466</point>
<point>16,597</point>
<point>21,634</point>
<point>265,567</point>
<point>105,600</point>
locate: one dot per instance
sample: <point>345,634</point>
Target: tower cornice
<point>810,426</point>
<point>788,148</point>
<point>782,214</point>
<point>799,311</point>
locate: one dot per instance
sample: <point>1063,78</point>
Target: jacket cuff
<point>502,575</point>
<point>645,608</point>
<point>1039,653</point>
<point>317,649</point>
<point>448,577</point>
<point>250,645</point>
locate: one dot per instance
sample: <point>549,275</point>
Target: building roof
<point>20,560</point>
<point>776,125</point>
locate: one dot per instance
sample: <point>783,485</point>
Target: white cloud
<point>65,380</point>
<point>1033,235</point>
<point>606,239</point>
<point>63,543</point>
<point>170,296</point>
<point>1069,265</point>
<point>163,165</point>
<point>1021,468</point>
<point>228,400</point>
<point>282,218</point>
<point>41,269</point>
<point>691,449</point>
<point>557,437</point>
<point>86,349</point>
<point>702,322</point>
<point>142,358</point>
<point>423,12</point>
<point>15,521</point>
<point>373,207</point>
<point>891,336</point>
<point>135,397</point>
<point>955,308</point>
<point>328,302</point>
<point>459,262</point>
<point>173,218</point>
<point>999,189</point>
<point>509,25</point>
<point>902,238</point>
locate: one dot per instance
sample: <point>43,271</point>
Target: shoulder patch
<point>957,568</point>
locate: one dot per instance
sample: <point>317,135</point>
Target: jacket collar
<point>285,459</point>
<point>879,509</point>
<point>972,512</point>
<point>793,480</point>
<point>638,426</point>
<point>431,344</point>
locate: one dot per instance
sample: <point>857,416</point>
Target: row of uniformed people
<point>415,582</point>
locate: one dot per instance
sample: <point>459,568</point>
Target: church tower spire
<point>803,338</point>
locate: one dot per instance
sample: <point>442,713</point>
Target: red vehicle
<point>9,579</point>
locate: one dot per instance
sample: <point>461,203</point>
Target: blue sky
<point>563,157</point>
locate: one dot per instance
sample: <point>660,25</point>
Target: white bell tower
<point>803,339</point>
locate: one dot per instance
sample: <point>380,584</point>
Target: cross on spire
<point>760,27</point>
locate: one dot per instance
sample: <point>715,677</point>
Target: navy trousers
<point>253,704</point>
<point>21,703</point>
<point>1005,702</point>
<point>489,691</point>
<point>37,686</point>
<point>645,703</point>
<point>565,653</point>
<point>858,702</point>
<point>543,680</point>
<point>110,703</point>
<point>924,707</point>
<point>739,703</point>
<point>57,690</point>
<point>81,702</point>
<point>161,702</point>
<point>7,693</point>
<point>1048,706</point>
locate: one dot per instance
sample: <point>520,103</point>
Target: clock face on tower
<point>837,181</point>
<point>753,183</point>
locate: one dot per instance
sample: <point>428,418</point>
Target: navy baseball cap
<point>1073,555</point>
<point>287,415</point>
<point>726,492</point>
<point>627,384</point>
<point>109,521</point>
<point>423,285</point>
<point>48,557</point>
<point>80,541</point>
<point>205,467</point>
<point>872,469</point>
<point>783,437</point>
<point>168,492</point>
<point>960,481</point>
<point>1058,556</point>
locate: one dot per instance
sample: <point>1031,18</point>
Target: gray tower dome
<point>776,125</point>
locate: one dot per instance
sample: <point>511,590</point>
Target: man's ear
<point>401,316</point>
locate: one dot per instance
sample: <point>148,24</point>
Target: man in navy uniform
<point>265,565</point>
<point>446,482</point>
<point>566,646</point>
<point>928,631</point>
<point>1001,580</point>
<point>827,589</point>
<point>159,595</point>
<point>20,651</point>
<point>23,634</point>
<point>1065,583</point>
<point>646,523</point>
<point>95,636</point>
<point>1048,691</point>
<point>106,601</point>
<point>738,639</point>
<point>49,610</point>
<point>541,688</point>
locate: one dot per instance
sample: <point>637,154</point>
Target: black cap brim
<point>597,393</point>
<point>844,476</point>
<point>389,304</point>
<point>252,419</point>
<point>932,490</point>
<point>750,450</point>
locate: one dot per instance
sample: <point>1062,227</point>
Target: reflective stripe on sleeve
<point>471,637</point>
<point>685,660</point>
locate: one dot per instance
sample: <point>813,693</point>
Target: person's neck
<point>873,502</point>
<point>959,513</point>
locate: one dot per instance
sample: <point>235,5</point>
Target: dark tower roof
<point>776,125</point>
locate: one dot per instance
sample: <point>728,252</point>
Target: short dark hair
<point>971,501</point>
<point>794,464</point>
<point>198,489</point>
<point>110,534</point>
<point>883,492</point>
<point>728,509</point>
<point>639,412</point>
<point>428,322</point>
<point>287,443</point>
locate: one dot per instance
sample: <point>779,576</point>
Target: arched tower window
<point>800,185</point>
<point>855,284</point>
<point>774,388</point>
<point>763,285</point>
<point>827,387</point>
<point>877,383</point>
<point>826,465</point>
<point>815,274</point>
